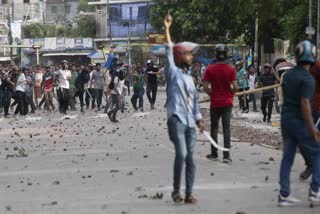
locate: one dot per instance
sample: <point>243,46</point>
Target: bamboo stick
<point>248,92</point>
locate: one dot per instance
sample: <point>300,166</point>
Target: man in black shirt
<point>268,78</point>
<point>152,82</point>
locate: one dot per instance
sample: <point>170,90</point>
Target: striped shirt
<point>267,79</point>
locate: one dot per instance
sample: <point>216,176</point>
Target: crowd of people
<point>70,84</point>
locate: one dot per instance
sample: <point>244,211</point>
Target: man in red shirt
<point>223,80</point>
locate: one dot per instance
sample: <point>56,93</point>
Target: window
<point>4,1</point>
<point>54,9</point>
<point>68,9</point>
<point>26,1</point>
<point>26,18</point>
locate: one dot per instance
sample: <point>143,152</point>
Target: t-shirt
<point>316,99</point>
<point>98,78</point>
<point>118,84</point>
<point>242,79</point>
<point>152,78</point>
<point>267,79</point>
<point>63,78</point>
<point>220,76</point>
<point>21,83</point>
<point>138,85</point>
<point>48,82</point>
<point>252,81</point>
<point>297,83</point>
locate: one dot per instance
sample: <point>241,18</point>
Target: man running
<point>297,125</point>
<point>221,76</point>
<point>182,110</point>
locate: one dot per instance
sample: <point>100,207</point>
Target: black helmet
<point>221,52</point>
<point>306,52</point>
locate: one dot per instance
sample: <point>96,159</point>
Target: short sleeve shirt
<point>220,76</point>
<point>297,83</point>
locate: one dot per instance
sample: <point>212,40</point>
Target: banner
<point>61,45</point>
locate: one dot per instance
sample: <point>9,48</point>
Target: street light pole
<point>310,18</point>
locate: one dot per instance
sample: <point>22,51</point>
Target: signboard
<point>154,38</point>
<point>310,31</point>
<point>61,45</point>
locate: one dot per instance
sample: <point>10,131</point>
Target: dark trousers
<point>216,114</point>
<point>7,101</point>
<point>31,103</point>
<point>252,98</point>
<point>90,95</point>
<point>243,100</point>
<point>80,94</point>
<point>63,98</point>
<point>137,95</point>
<point>267,101</point>
<point>152,90</point>
<point>72,96</point>
<point>98,96</point>
<point>22,101</point>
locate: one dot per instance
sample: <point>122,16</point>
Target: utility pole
<point>256,43</point>
<point>10,14</point>
<point>129,47</point>
<point>109,20</point>
<point>310,29</point>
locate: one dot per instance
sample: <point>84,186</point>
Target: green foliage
<point>216,21</point>
<point>85,27</point>
<point>85,7</point>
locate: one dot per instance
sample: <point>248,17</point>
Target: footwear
<point>109,115</point>
<point>268,121</point>
<point>314,196</point>
<point>227,160</point>
<point>115,121</point>
<point>255,110</point>
<point>306,173</point>
<point>212,157</point>
<point>82,110</point>
<point>141,109</point>
<point>264,118</point>
<point>287,201</point>
<point>245,111</point>
<point>189,199</point>
<point>152,107</point>
<point>176,197</point>
<point>136,109</point>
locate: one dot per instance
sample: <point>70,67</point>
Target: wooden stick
<point>248,92</point>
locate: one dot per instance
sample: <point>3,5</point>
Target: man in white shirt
<point>252,84</point>
<point>118,87</point>
<point>63,75</point>
<point>21,85</point>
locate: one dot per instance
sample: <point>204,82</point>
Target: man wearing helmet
<point>152,82</point>
<point>64,75</point>
<point>183,112</point>
<point>297,124</point>
<point>221,76</point>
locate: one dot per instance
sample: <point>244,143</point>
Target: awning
<point>65,54</point>
<point>4,59</point>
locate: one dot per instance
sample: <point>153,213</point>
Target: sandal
<point>189,199</point>
<point>176,197</point>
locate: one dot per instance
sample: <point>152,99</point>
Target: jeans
<point>152,89</point>
<point>63,98</point>
<point>109,102</point>
<point>216,114</point>
<point>267,101</point>
<point>98,96</point>
<point>184,140</point>
<point>243,100</point>
<point>90,95</point>
<point>7,100</point>
<point>294,134</point>
<point>116,101</point>
<point>252,98</point>
<point>80,94</point>
<point>22,101</point>
<point>137,95</point>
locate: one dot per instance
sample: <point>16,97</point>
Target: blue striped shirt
<point>181,91</point>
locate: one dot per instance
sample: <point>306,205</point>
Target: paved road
<point>83,164</point>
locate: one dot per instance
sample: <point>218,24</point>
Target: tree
<point>86,26</point>
<point>85,7</point>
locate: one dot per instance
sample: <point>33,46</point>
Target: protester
<point>21,93</point>
<point>47,88</point>
<point>252,84</point>
<point>89,88</point>
<point>183,112</point>
<point>82,79</point>
<point>242,78</point>
<point>63,91</point>
<point>152,82</point>
<point>73,89</point>
<point>29,92</point>
<point>138,90</point>
<point>98,79</point>
<point>268,78</point>
<point>297,125</point>
<point>221,76</point>
<point>8,88</point>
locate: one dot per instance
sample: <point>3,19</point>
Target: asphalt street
<point>84,164</point>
